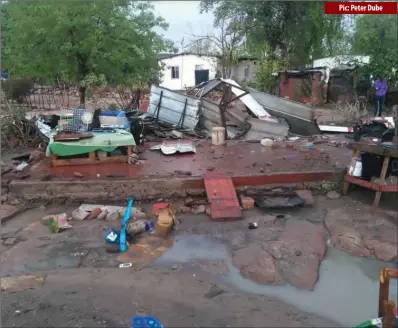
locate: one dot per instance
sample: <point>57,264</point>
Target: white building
<point>185,70</point>
<point>332,62</point>
<point>181,71</point>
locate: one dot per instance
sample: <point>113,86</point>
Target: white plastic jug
<point>218,136</point>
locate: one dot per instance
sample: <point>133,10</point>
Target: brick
<point>247,202</point>
<point>158,206</point>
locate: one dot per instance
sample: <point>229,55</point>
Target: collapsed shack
<point>246,114</point>
<point>226,104</point>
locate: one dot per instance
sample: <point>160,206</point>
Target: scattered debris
<point>267,142</point>
<point>94,213</point>
<point>214,292</point>
<point>198,209</point>
<point>246,202</point>
<point>59,223</point>
<point>125,265</point>
<point>79,214</point>
<point>165,220</point>
<point>253,225</point>
<point>278,202</point>
<point>21,166</point>
<point>21,283</point>
<point>169,148</point>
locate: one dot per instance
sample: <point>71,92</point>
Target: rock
<point>102,215</point>
<point>78,174</point>
<point>383,251</point>
<point>112,216</point>
<point>333,195</point>
<point>327,186</point>
<point>94,213</point>
<point>13,201</point>
<point>188,201</point>
<point>184,209</point>
<point>306,239</point>
<point>267,142</point>
<point>306,195</point>
<point>3,198</point>
<point>35,156</point>
<point>208,210</point>
<point>79,214</point>
<point>246,202</point>
<point>256,264</point>
<point>199,209</point>
<point>9,241</point>
<point>215,291</point>
<point>137,213</point>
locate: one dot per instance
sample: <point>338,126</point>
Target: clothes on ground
<point>107,142</point>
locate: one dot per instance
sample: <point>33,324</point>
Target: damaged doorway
<point>201,75</point>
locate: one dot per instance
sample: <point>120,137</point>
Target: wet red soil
<point>236,159</point>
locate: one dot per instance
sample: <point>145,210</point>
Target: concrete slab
<point>248,164</point>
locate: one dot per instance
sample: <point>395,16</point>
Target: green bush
<point>18,89</point>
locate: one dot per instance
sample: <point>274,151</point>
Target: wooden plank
<point>362,183</point>
<point>374,149</point>
<point>87,161</point>
<point>221,194</point>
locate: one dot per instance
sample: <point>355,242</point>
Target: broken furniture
<point>94,150</point>
<point>387,312</point>
<point>363,147</point>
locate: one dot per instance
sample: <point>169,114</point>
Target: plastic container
<point>356,168</point>
<point>145,322</point>
<point>218,136</point>
<point>114,119</point>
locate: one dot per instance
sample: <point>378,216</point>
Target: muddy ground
<point>184,280</point>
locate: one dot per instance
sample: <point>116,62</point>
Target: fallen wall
<point>174,107</point>
<point>301,118</point>
<point>150,189</point>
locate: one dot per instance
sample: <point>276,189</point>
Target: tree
<point>85,42</point>
<point>227,42</point>
<point>294,32</point>
<point>376,36</point>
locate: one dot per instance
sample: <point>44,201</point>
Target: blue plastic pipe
<point>126,217</point>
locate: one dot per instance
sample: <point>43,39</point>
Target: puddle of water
<point>347,291</point>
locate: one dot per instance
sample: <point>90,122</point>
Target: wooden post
<point>382,179</point>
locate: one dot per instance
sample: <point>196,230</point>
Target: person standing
<point>381,90</point>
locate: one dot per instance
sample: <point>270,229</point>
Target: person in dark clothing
<point>381,90</point>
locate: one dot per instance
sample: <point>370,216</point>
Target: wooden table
<point>363,147</point>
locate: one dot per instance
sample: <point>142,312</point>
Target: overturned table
<point>64,153</point>
<point>362,147</point>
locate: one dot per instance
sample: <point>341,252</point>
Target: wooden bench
<point>92,159</point>
<point>359,147</point>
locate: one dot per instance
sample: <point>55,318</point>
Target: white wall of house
<point>186,66</point>
<point>244,71</point>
